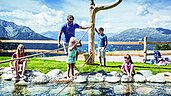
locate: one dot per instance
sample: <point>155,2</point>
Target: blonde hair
<point>71,40</point>
<point>19,52</point>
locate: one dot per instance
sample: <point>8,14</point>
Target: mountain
<point>16,32</point>
<point>137,34</point>
<point>132,34</point>
<point>50,34</point>
<point>9,30</point>
<point>54,35</point>
<point>78,35</point>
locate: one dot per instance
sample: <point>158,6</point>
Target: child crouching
<point>127,66</point>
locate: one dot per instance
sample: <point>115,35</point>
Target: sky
<point>49,15</point>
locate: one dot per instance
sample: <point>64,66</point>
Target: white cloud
<point>78,8</point>
<point>142,10</point>
<point>29,5</point>
<point>163,21</point>
<point>45,20</point>
<point>44,16</point>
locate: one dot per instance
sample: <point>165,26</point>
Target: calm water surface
<point>102,88</point>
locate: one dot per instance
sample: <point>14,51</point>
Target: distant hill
<point>78,35</point>
<point>137,34</point>
<point>9,30</point>
<point>133,34</point>
<point>50,34</point>
<point>54,35</point>
<point>16,32</point>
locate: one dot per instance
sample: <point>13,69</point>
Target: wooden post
<point>93,10</point>
<point>145,49</point>
<point>91,33</point>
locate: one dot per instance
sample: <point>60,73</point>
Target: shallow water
<point>102,88</point>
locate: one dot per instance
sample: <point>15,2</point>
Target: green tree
<point>157,47</point>
<point>162,47</point>
<point>165,47</point>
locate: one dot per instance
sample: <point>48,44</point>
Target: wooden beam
<point>34,41</point>
<point>158,42</point>
<point>33,50</point>
<point>126,43</point>
<point>29,41</point>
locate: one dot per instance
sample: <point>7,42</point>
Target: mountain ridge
<point>9,30</point>
<point>132,34</point>
<point>17,32</point>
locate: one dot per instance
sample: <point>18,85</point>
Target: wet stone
<point>66,91</point>
<point>37,90</point>
<point>91,92</point>
<point>120,89</point>
<point>144,90</point>
<point>22,83</point>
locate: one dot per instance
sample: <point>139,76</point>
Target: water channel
<point>8,88</point>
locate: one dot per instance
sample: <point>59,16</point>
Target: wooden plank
<point>33,50</point>
<point>29,41</point>
<point>158,42</point>
<point>126,43</point>
<point>83,42</point>
<point>35,41</point>
<point>56,42</point>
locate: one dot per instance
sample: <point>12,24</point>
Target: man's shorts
<point>65,46</point>
<point>101,52</point>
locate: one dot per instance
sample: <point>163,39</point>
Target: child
<point>128,67</point>
<point>71,59</point>
<point>162,62</point>
<point>19,65</point>
<point>102,43</point>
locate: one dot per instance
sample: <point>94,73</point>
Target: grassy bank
<point>48,65</point>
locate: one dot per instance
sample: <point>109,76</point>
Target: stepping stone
<point>63,80</point>
<point>22,83</point>
<point>7,77</point>
<point>80,79</point>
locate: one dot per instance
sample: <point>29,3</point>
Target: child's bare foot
<point>23,77</point>
<point>68,77</point>
<point>74,77</point>
<point>130,76</point>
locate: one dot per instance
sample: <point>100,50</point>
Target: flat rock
<point>126,79</point>
<point>63,80</point>
<point>112,79</point>
<point>139,78</point>
<point>144,90</point>
<point>80,79</point>
<point>7,77</point>
<point>22,83</point>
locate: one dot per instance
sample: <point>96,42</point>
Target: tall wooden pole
<point>93,11</point>
<point>91,33</point>
<point>145,49</point>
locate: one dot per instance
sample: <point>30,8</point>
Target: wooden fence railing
<point>145,43</point>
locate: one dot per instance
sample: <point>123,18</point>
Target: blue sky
<point>50,15</point>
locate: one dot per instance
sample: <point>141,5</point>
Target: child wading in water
<point>128,67</point>
<point>71,59</point>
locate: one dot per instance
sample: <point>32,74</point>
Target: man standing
<point>102,43</point>
<point>69,31</point>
